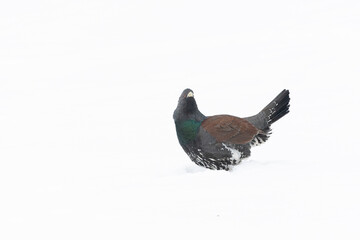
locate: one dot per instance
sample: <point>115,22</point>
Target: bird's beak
<point>190,94</point>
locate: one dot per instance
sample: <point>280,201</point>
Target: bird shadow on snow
<point>194,169</point>
<point>246,163</point>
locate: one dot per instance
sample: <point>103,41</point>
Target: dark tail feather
<point>275,110</point>
<point>278,107</point>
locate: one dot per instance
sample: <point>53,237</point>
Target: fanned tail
<point>278,107</point>
<point>275,110</point>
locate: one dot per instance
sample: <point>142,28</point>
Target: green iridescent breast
<point>187,130</point>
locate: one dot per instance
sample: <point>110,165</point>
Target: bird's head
<point>187,107</point>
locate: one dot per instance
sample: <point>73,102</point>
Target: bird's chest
<point>187,130</point>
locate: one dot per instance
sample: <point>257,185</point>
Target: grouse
<point>222,141</point>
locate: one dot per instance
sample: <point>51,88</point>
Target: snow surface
<point>88,148</point>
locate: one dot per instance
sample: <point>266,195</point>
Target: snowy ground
<point>88,148</point>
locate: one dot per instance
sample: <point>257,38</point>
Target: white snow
<point>88,148</point>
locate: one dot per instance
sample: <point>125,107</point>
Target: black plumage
<point>221,141</point>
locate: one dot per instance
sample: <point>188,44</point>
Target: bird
<point>220,142</point>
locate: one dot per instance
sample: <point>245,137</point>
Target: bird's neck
<point>187,130</point>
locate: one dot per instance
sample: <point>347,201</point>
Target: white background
<point>88,148</point>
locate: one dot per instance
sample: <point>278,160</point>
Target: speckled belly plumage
<point>220,156</point>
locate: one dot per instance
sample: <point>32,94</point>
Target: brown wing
<point>226,128</point>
